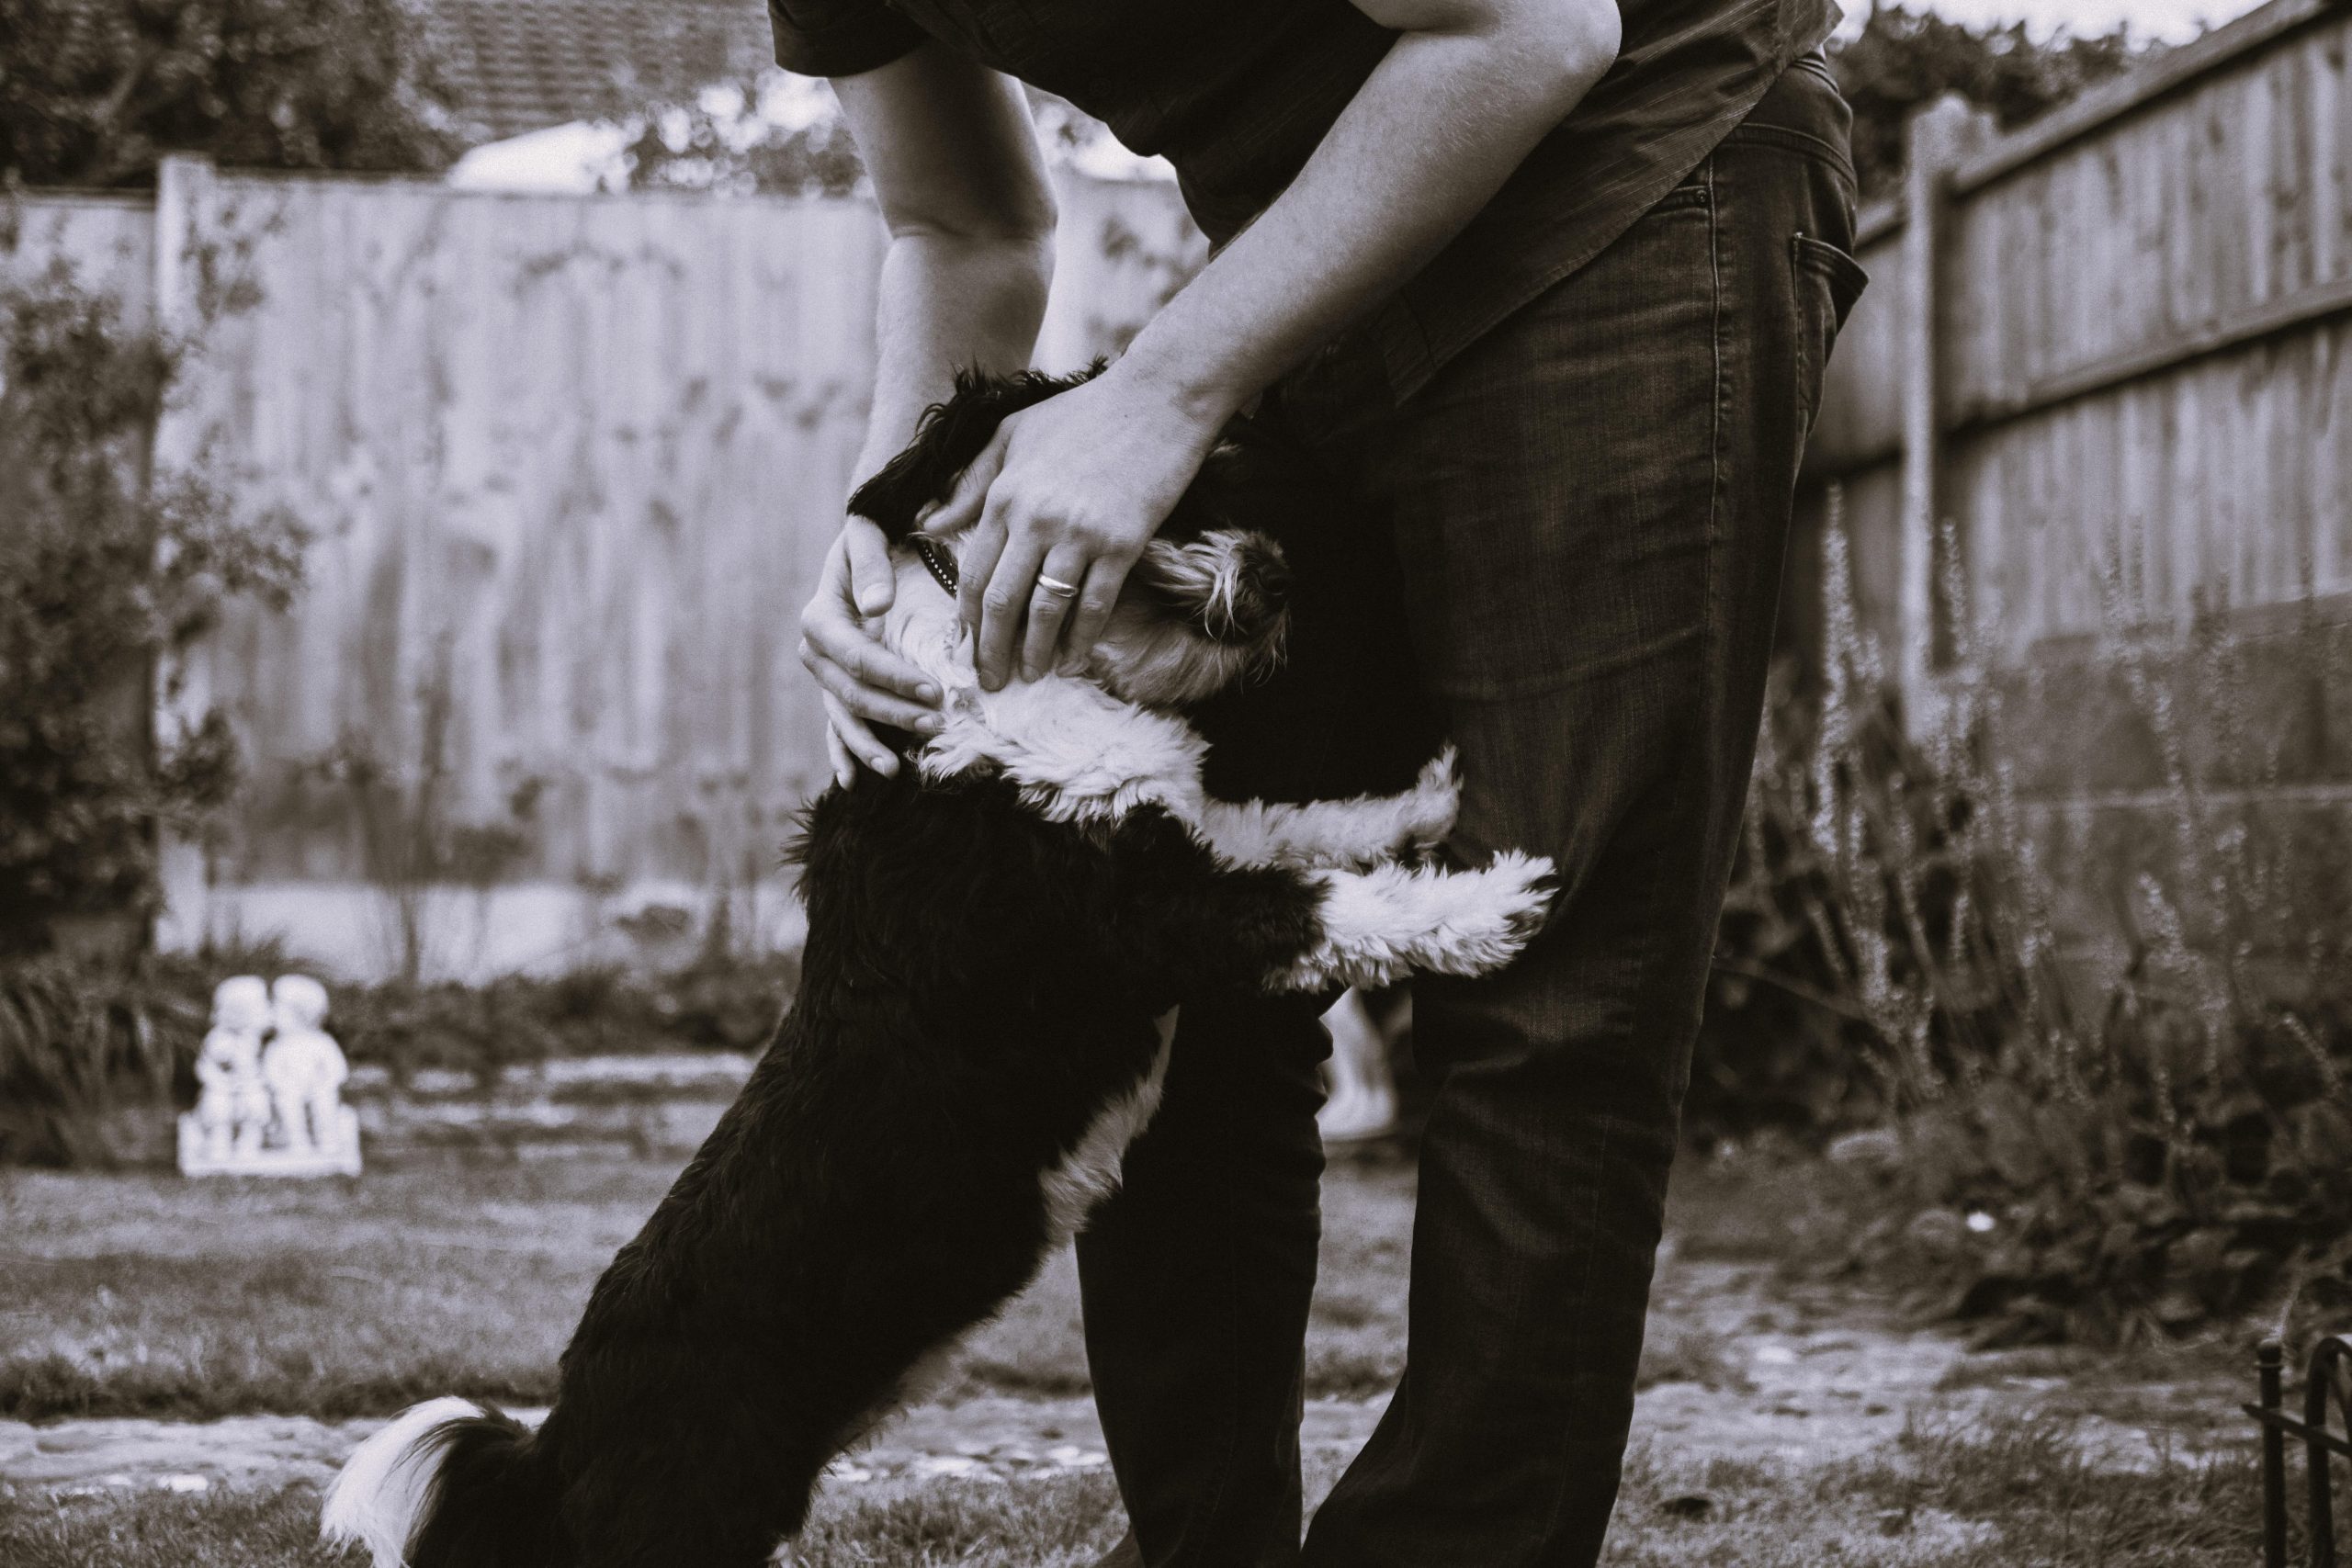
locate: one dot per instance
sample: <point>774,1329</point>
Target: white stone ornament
<point>231,1107</point>
<point>274,1109</point>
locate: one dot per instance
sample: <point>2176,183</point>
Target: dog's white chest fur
<point>1076,751</point>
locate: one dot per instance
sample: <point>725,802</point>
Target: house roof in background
<point>520,65</point>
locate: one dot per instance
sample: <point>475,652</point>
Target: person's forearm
<point>947,302</point>
<point>1426,140</point>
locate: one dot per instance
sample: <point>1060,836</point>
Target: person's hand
<point>863,681</point>
<point>1062,501</point>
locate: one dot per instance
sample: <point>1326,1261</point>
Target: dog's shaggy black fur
<point>980,996</point>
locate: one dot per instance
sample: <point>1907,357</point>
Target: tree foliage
<point>94,92</point>
<point>104,572</point>
<point>1901,61</point>
<point>776,134</point>
<point>773,134</point>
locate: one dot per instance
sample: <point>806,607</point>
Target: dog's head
<point>1202,610</point>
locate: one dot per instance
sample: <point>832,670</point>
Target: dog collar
<point>935,561</point>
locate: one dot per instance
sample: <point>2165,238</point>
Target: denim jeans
<point>1564,553</point>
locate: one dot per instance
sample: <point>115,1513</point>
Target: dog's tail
<point>450,1483</point>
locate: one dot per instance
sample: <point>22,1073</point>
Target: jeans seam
<point>1716,412</point>
<point>1563,1467</point>
<point>1710,619</point>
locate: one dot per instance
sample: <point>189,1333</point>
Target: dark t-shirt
<point>1235,93</point>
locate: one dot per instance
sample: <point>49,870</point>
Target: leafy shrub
<point>103,578</point>
<point>93,92</point>
<point>82,1041</point>
<point>727,1005</point>
<point>2100,1136</point>
<point>730,1005</point>
<point>76,1040</point>
<point>480,1030</point>
<point>719,1003</point>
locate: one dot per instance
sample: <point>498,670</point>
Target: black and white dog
<point>998,939</point>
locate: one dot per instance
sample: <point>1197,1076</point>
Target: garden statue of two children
<point>273,1109</point>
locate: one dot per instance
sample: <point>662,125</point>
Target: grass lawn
<point>2016,1495</point>
<point>143,1294</point>
<point>146,1294</point>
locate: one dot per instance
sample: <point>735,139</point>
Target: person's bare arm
<point>954,163</point>
<point>961,186</point>
<point>1075,486</point>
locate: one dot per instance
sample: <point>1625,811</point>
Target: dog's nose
<point>1260,590</point>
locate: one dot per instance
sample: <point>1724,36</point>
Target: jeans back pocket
<point>1828,281</point>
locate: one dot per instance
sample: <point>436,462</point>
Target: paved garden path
<point>1744,1367</point>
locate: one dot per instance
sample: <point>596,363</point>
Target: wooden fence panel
<point>2196,213</point>
<point>567,465</point>
<point>2135,320</point>
<point>2089,472</point>
<point>2224,483</point>
<point>2138,321</point>
<point>1122,247</point>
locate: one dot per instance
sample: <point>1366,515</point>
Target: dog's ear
<point>951,436</point>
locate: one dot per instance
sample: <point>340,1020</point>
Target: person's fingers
<point>859,739</point>
<point>974,561</point>
<point>1096,597</point>
<point>1051,603</point>
<point>830,623</point>
<point>862,697</point>
<point>963,504</point>
<point>1003,603</point>
<point>844,765</point>
<point>866,553</point>
<point>841,641</point>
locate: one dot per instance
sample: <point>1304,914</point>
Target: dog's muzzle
<point>1253,609</point>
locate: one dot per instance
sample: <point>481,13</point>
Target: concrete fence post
<point>187,214</point>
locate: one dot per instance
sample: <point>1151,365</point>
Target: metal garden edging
<point>2330,1357</point>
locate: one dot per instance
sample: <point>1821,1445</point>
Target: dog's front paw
<point>1432,804</point>
<point>1378,924</point>
<point>1492,913</point>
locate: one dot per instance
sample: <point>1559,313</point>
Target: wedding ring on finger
<point>1056,586</point>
